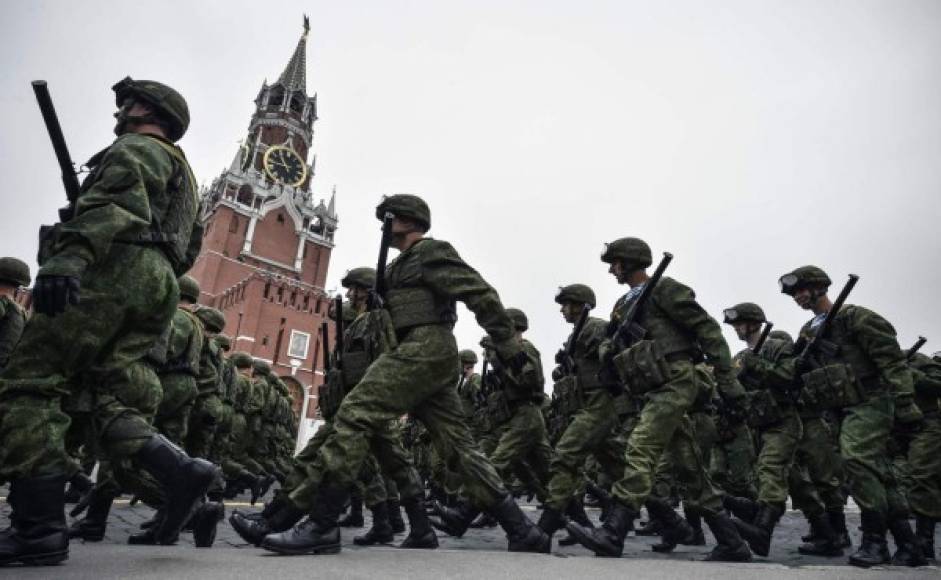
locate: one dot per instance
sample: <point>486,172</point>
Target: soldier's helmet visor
<point>788,283</point>
<point>731,314</point>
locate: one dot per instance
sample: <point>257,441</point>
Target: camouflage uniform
<point>587,403</point>
<point>178,375</point>
<point>132,231</point>
<point>207,410</point>
<point>416,377</point>
<point>14,274</point>
<point>924,451</point>
<point>661,368</point>
<point>866,370</point>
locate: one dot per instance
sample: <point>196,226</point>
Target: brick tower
<point>267,243</point>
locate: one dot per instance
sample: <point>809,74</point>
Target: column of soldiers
<point>117,362</point>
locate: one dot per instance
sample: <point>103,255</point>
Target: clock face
<point>284,165</point>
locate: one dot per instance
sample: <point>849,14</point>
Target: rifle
<point>485,377</point>
<point>325,331</point>
<point>565,356</point>
<point>816,343</point>
<point>629,332</point>
<point>69,175</point>
<point>764,336</point>
<point>915,347</point>
<point>338,311</point>
<point>378,292</point>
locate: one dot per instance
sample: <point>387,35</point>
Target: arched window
<point>245,195</point>
<point>276,97</point>
<point>297,103</point>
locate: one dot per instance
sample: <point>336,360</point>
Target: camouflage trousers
<point>416,378</point>
<point>93,354</point>
<point>924,469</point>
<point>179,395</point>
<point>733,462</point>
<point>591,433</point>
<point>864,432</point>
<point>815,479</point>
<point>666,483</point>
<point>775,457</point>
<point>523,450</point>
<point>663,425</point>
<point>205,417</point>
<point>376,478</point>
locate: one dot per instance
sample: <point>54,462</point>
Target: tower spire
<point>294,76</point>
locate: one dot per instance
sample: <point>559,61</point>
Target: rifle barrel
<point>49,117</point>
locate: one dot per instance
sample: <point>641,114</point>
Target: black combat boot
<point>873,550</point>
<point>420,536</point>
<point>185,480</point>
<point>148,536</point>
<point>758,534</point>
<point>730,547</point>
<point>576,512</point>
<point>673,529</point>
<point>381,530</point>
<point>454,521</point>
<point>91,528</point>
<point>551,521</point>
<point>484,521</point>
<point>395,516</point>
<point>354,519</point>
<point>693,517</point>
<point>838,523</point>
<point>319,533</point>
<point>281,516</point>
<point>522,535</point>
<point>204,522</point>
<point>651,527</point>
<point>924,529</point>
<point>743,508</point>
<point>79,485</point>
<point>823,539</point>
<point>608,539</point>
<point>908,548</point>
<point>37,535</point>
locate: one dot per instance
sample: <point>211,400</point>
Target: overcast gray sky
<point>746,137</point>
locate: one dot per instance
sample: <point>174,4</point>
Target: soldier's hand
<point>53,293</point>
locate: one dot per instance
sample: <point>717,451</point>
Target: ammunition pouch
<point>832,386</point>
<point>498,408</point>
<point>331,393</point>
<point>418,306</point>
<point>47,241</point>
<point>643,366</point>
<point>763,409</point>
<point>354,368</point>
<point>569,395</point>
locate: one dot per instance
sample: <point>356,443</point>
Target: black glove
<point>51,293</point>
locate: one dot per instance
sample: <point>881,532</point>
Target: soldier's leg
<point>778,446</point>
<point>924,457</point>
<point>179,394</point>
<point>863,434</point>
<point>740,463</point>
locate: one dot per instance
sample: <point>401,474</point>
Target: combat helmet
<point>223,341</point>
<point>405,205</point>
<point>241,359</point>
<point>781,335</point>
<point>468,357</point>
<point>520,322</point>
<point>362,277</point>
<point>261,366</point>
<point>578,293</point>
<point>189,288</point>
<point>634,252</point>
<point>14,271</point>
<point>803,277</point>
<point>212,318</point>
<point>169,103</point>
<point>744,312</point>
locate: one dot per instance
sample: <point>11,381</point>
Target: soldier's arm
<point>590,339</point>
<point>926,375</point>
<point>117,203</point>
<point>12,322</point>
<point>876,336</point>
<point>447,274</point>
<point>679,303</point>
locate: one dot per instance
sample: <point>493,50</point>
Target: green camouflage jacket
<point>12,323</point>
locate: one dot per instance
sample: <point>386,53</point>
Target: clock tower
<point>267,243</point>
